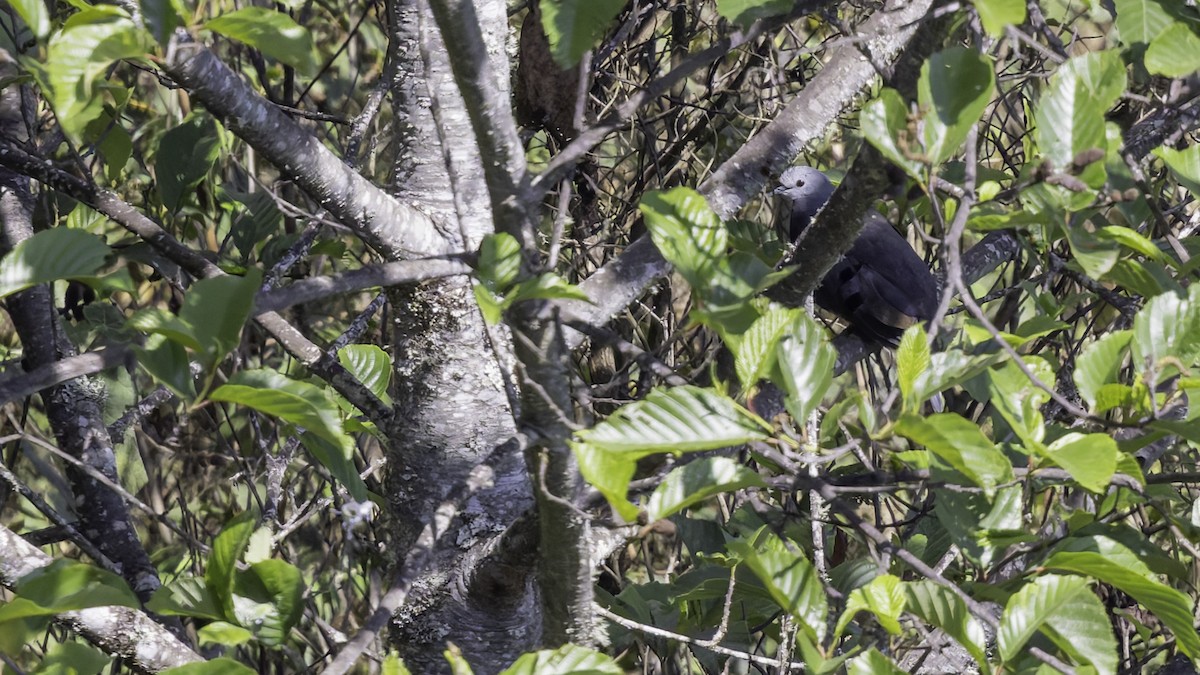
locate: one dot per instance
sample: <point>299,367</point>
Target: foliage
<point>781,510</point>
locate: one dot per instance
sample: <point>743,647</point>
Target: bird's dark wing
<point>881,286</point>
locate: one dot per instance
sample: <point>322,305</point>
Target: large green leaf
<point>574,26</point>
<point>566,660</point>
<point>754,350</point>
<point>1167,331</point>
<point>883,596</point>
<point>678,419</point>
<point>227,549</point>
<point>66,585</point>
<point>873,662</point>
<point>1175,52</point>
<point>941,607</point>
<point>58,253</point>
<point>221,666</point>
<point>955,87</point>
<point>1140,21</point>
<point>275,34</point>
<point>269,599</point>
<point>789,578</point>
<point>1100,362</point>
<point>1073,613</point>
<point>912,359</point>
<point>806,361</point>
<point>77,61</point>
<point>996,15</point>
<point>217,309</point>
<point>885,126</point>
<point>1184,165</point>
<point>35,15</point>
<point>696,481</point>
<point>1070,114</point>
<point>292,401</point>
<point>186,153</point>
<point>746,12</point>
<point>1169,605</point>
<point>961,444</point>
<point>185,596</point>
<point>371,365</point>
<point>686,231</point>
<point>1091,459</point>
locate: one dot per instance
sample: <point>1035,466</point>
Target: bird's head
<point>807,188</point>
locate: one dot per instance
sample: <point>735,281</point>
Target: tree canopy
<point>465,336</point>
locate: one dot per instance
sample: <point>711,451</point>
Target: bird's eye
<point>800,183</point>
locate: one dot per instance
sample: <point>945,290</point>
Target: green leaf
<point>63,586</point>
<point>956,86</point>
<point>547,286</point>
<point>696,481</point>
<point>1140,21</point>
<point>789,578</point>
<point>1099,363</point>
<point>574,26</point>
<point>1169,605</point>
<point>186,596</point>
<point>185,155</point>
<point>873,662</point>
<point>216,310</point>
<point>1070,114</point>
<point>1175,52</point>
<point>220,666</point>
<point>227,549</point>
<point>940,607</point>
<point>885,126</point>
<point>806,360</point>
<point>78,58</point>
<point>269,600</point>
<point>1165,330</point>
<point>1133,241</point>
<point>746,12</point>
<point>996,15</point>
<point>1073,612</point>
<point>167,361</point>
<point>961,444</point>
<point>687,233</point>
<point>72,658</point>
<point>162,17</point>
<point>912,360</point>
<point>754,352</point>
<point>883,596</point>
<point>224,633</point>
<point>339,459</point>
<point>679,419</point>
<point>292,401</point>
<point>566,660</point>
<point>499,261</point>
<point>58,253</point>
<point>275,34</point>
<point>35,15</point>
<point>1184,165</point>
<point>371,366</point>
<point>1091,459</point>
<point>1018,400</point>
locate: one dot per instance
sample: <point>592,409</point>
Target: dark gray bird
<point>881,286</point>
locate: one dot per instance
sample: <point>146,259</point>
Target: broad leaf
<point>574,26</point>
<point>1184,165</point>
<point>1070,115</point>
<point>1100,362</point>
<point>1073,612</point>
<point>275,34</point>
<point>790,579</point>
<point>1091,459</point>
<point>960,444</point>
<point>35,15</point>
<point>883,596</point>
<point>996,15</point>
<point>566,660</point>
<point>912,360</point>
<point>746,12</point>
<point>370,365</point>
<point>885,125</point>
<point>939,606</point>
<point>754,351</point>
<point>686,231</point>
<point>226,551</point>
<point>63,586</point>
<point>1167,331</point>
<point>806,360</point>
<point>955,87</point>
<point>696,481</point>
<point>1140,21</point>
<point>292,401</point>
<point>57,253</point>
<point>269,599</point>
<point>873,662</point>
<point>185,155</point>
<point>220,666</point>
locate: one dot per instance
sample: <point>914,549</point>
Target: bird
<point>880,286</point>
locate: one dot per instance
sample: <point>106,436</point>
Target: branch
<point>121,631</point>
<point>396,230</point>
<point>374,276</point>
